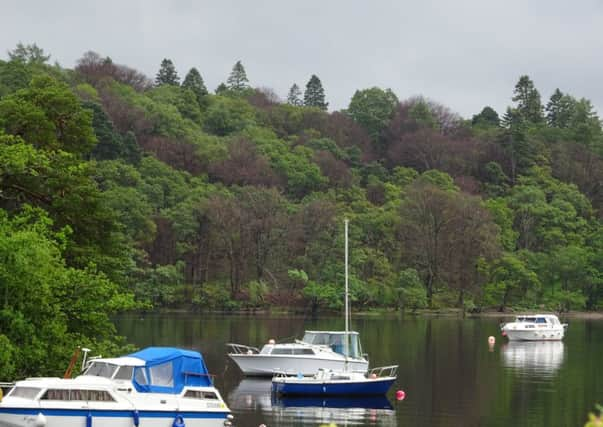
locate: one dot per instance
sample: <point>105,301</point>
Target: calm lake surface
<point>450,375</point>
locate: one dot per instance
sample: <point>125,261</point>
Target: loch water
<point>449,373</point>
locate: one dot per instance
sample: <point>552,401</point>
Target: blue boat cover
<point>169,370</point>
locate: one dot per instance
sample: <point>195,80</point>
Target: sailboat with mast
<point>344,382</point>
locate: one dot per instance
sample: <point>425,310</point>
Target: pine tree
<point>167,74</point>
<point>315,94</point>
<point>294,96</point>
<point>487,117</point>
<point>194,82</point>
<point>237,81</point>
<point>528,101</point>
<point>560,109</point>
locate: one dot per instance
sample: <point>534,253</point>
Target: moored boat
<point>317,349</point>
<point>331,383</point>
<point>155,387</point>
<point>536,327</point>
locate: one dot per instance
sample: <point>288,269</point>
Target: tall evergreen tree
<point>560,109</point>
<point>167,74</point>
<point>314,96</point>
<point>294,96</point>
<point>237,81</point>
<point>529,105</point>
<point>194,82</point>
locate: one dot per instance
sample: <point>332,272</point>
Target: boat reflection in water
<point>533,357</point>
<point>254,395</point>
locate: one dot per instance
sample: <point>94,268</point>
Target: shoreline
<point>447,312</point>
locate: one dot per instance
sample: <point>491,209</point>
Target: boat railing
<point>241,349</point>
<point>383,371</point>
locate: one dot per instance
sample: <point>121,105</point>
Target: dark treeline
<point>118,191</point>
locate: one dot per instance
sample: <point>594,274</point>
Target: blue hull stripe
<point>111,413</point>
<point>333,389</point>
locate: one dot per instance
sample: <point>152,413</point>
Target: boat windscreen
<point>101,369</point>
<point>335,341</point>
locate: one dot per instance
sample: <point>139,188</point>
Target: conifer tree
<point>294,96</point>
<point>194,82</point>
<point>167,74</point>
<point>528,101</point>
<point>237,81</point>
<point>560,109</point>
<point>314,96</point>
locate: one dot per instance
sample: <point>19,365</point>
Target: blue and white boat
<point>332,383</point>
<point>155,387</point>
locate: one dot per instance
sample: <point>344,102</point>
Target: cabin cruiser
<point>316,350</point>
<point>155,387</point>
<point>537,327</point>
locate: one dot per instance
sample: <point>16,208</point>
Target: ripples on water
<point>450,376</point>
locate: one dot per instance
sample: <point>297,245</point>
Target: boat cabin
<point>336,341</point>
<point>538,320</point>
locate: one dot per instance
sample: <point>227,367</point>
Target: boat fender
<point>89,419</point>
<point>178,422</point>
<point>40,420</point>
<point>136,417</point>
<point>1,395</point>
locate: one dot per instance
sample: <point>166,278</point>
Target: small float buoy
<point>271,341</point>
<point>262,425</point>
<point>491,340</point>
<point>373,376</point>
<point>40,420</point>
<point>504,333</point>
<point>400,395</point>
<point>178,422</point>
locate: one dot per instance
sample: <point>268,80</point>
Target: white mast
<point>346,340</point>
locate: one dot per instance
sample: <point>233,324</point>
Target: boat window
<point>303,351</point>
<point>101,369</point>
<point>336,342</point>
<point>25,392</point>
<point>140,376</point>
<point>540,320</point>
<point>99,396</point>
<point>124,373</point>
<point>278,350</point>
<point>198,394</point>
<point>162,375</point>
<point>56,394</point>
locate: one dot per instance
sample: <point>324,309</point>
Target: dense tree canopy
<point>115,193</point>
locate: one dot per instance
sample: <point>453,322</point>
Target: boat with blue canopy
<point>154,387</point>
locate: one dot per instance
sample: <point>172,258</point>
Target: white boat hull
<point>553,334</point>
<point>28,418</point>
<point>267,365</point>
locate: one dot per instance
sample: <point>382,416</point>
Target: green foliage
<point>214,296</point>
<point>167,74</point>
<point>373,109</point>
<point>194,82</point>
<point>314,96</point>
<point>294,96</point>
<point>225,116</point>
<point>487,117</point>
<point>510,281</point>
<point>29,54</point>
<point>411,292</point>
<point>237,82</point>
<point>46,307</point>
<point>529,107</point>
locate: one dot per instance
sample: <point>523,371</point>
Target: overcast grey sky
<point>463,53</point>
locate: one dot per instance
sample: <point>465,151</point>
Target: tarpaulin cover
<point>169,370</point>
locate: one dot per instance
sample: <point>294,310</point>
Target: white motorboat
<point>155,387</point>
<point>316,350</point>
<point>536,327</point>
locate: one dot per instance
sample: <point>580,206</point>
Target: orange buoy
<point>400,395</point>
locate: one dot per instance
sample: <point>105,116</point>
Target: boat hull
<point>553,334</point>
<point>26,417</point>
<point>308,387</point>
<point>268,365</point>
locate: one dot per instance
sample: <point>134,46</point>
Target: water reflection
<point>254,395</point>
<point>538,357</point>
